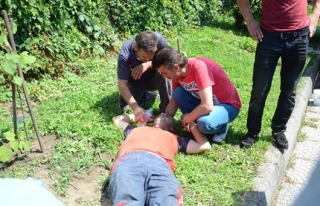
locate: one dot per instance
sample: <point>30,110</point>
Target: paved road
<point>304,158</point>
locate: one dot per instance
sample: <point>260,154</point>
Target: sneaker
<point>281,140</point>
<point>217,138</point>
<point>248,140</point>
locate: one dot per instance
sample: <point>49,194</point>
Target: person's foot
<point>281,140</point>
<point>217,138</point>
<point>248,140</point>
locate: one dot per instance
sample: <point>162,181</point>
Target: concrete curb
<point>271,171</point>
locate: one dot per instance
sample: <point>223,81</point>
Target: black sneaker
<point>281,140</point>
<point>248,140</point>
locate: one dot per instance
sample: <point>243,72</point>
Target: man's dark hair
<point>167,56</point>
<point>147,41</point>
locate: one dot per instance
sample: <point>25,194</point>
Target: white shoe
<point>219,137</point>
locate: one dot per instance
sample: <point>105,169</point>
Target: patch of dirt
<point>83,190</point>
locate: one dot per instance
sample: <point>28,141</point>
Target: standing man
<point>284,33</point>
<point>136,75</point>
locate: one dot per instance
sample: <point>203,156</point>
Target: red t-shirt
<point>284,15</point>
<point>151,139</point>
<point>204,72</point>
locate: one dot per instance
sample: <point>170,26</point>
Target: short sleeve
<point>182,144</point>
<point>128,129</point>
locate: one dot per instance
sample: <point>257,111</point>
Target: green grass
<point>78,109</point>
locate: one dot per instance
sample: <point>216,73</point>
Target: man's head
<point>170,63</point>
<point>164,122</point>
<point>145,45</point>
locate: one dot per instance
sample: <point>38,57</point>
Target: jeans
<point>293,53</point>
<point>140,178</point>
<point>156,82</point>
<point>214,122</point>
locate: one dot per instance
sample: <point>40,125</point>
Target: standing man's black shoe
<point>281,140</point>
<point>248,140</point>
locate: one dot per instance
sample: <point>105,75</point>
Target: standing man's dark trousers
<point>293,53</point>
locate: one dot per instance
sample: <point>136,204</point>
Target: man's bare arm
<point>171,108</point>
<point>252,25</point>
<point>314,17</point>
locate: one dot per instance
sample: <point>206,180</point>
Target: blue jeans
<point>140,178</point>
<point>214,122</point>
<point>293,53</point>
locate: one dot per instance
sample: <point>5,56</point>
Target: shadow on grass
<point>105,199</point>
<point>108,106</point>
<point>230,26</point>
<point>250,198</point>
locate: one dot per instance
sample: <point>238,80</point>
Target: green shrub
<point>58,33</point>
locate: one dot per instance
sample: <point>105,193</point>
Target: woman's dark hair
<point>167,56</point>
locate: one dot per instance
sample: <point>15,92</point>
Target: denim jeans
<point>214,122</point>
<point>293,53</point>
<point>140,178</point>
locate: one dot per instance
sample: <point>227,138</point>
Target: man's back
<point>153,140</point>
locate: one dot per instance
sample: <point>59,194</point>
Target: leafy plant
<point>14,144</point>
<point>10,59</point>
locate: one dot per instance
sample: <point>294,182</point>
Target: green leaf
<point>81,17</point>
<point>26,59</point>
<point>5,154</point>
<point>96,35</point>
<point>9,66</point>
<point>15,28</point>
<point>26,146</point>
<point>9,135</point>
<point>96,28</point>
<point>14,145</point>
<point>89,29</point>
<point>2,79</point>
<point>17,80</point>
<point>3,38</point>
<point>12,56</point>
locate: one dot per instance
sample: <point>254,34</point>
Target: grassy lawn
<point>79,109</point>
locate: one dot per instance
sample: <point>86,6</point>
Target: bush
<point>58,33</point>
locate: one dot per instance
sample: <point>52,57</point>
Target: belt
<point>288,34</point>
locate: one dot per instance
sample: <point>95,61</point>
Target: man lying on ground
<point>142,171</point>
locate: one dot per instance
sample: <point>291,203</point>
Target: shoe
<point>281,140</point>
<point>217,138</point>
<point>248,140</point>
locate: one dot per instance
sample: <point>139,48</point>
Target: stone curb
<point>271,171</point>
